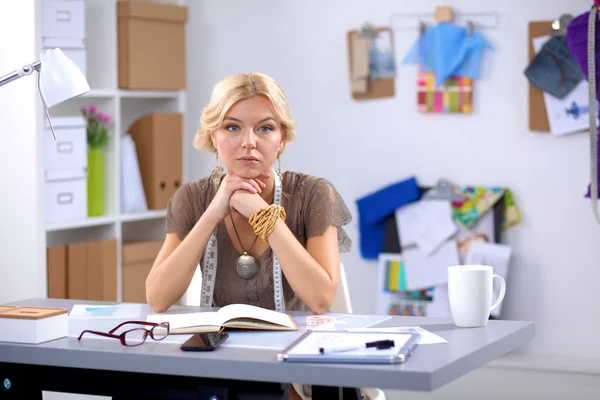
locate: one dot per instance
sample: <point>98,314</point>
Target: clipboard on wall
<point>375,88</point>
<point>538,117</point>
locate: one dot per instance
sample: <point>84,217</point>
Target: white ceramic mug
<point>470,289</point>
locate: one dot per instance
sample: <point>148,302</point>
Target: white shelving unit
<point>124,107</point>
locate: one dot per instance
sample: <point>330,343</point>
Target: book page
<point>233,311</point>
<point>185,320</point>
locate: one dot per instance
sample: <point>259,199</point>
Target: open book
<point>236,316</point>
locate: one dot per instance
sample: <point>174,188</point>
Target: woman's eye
<point>265,129</point>
<point>232,128</point>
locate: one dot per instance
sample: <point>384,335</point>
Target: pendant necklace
<point>246,266</point>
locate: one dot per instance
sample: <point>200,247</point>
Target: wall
<point>20,157</point>
<point>361,146</point>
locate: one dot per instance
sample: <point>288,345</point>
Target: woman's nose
<point>249,140</point>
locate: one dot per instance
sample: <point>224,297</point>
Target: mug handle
<point>502,291</point>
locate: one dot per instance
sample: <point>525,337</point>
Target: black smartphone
<point>204,341</point>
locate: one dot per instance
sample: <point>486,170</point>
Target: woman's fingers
<point>245,185</point>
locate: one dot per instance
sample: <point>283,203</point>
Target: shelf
<point>149,94</point>
<point>143,216</point>
<point>93,221</point>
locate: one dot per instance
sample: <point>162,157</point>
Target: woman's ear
<point>281,146</point>
<point>212,139</point>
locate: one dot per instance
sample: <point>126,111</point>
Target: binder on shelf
<point>158,142</point>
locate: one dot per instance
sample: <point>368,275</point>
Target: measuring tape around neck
<point>593,111</point>
<point>210,261</point>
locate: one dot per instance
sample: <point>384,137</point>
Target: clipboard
<point>377,88</point>
<point>305,348</point>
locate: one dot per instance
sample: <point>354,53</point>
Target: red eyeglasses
<point>135,336</point>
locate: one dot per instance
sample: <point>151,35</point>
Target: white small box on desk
<point>32,324</point>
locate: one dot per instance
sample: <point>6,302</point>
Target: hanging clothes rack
<point>474,20</point>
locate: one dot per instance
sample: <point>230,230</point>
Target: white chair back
<point>191,296</point>
<point>342,303</point>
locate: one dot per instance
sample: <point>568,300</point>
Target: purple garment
<point>577,41</point>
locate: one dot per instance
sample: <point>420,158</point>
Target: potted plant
<point>97,139</point>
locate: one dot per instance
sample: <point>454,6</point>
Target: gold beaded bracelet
<point>263,220</point>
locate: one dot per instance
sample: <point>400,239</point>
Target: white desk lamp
<point>59,79</point>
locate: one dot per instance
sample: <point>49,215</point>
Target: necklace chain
<point>238,237</point>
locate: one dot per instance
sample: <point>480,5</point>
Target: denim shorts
<point>553,69</point>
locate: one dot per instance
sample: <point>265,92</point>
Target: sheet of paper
<point>312,343</point>
<point>106,311</point>
<point>569,114</point>
<point>426,223</point>
<point>360,64</point>
<point>424,271</point>
<point>426,336</point>
<point>495,255</point>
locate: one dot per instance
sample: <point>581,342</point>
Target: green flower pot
<point>95,182</point>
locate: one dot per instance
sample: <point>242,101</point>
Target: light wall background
<point>363,146</point>
<point>20,158</point>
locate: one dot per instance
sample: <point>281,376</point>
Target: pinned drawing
<point>381,56</point>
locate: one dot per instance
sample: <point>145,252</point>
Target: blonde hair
<point>238,87</point>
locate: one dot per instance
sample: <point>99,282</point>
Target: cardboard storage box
<point>65,193</point>
<point>63,19</point>
<point>91,270</point>
<point>151,45</point>
<point>69,150</point>
<point>138,258</point>
<point>158,142</point>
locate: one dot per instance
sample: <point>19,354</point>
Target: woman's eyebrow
<point>261,121</point>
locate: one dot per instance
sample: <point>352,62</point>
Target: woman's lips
<point>248,160</point>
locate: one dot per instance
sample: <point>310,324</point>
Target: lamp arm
<point>26,69</point>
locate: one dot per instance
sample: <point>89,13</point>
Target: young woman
<point>262,237</point>
<point>276,236</point>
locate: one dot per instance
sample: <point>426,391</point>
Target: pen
<point>410,346</point>
<point>379,345</point>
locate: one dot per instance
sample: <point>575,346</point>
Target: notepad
<point>306,347</point>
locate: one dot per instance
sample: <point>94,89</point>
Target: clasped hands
<point>242,195</point>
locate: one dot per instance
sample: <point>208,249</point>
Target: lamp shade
<point>60,78</point>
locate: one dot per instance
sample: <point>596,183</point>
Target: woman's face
<point>249,138</point>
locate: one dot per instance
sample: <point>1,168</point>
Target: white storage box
<point>63,18</point>
<point>69,150</point>
<point>66,195</point>
<point>73,48</point>
<point>32,325</point>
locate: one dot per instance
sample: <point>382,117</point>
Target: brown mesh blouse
<point>311,203</point>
